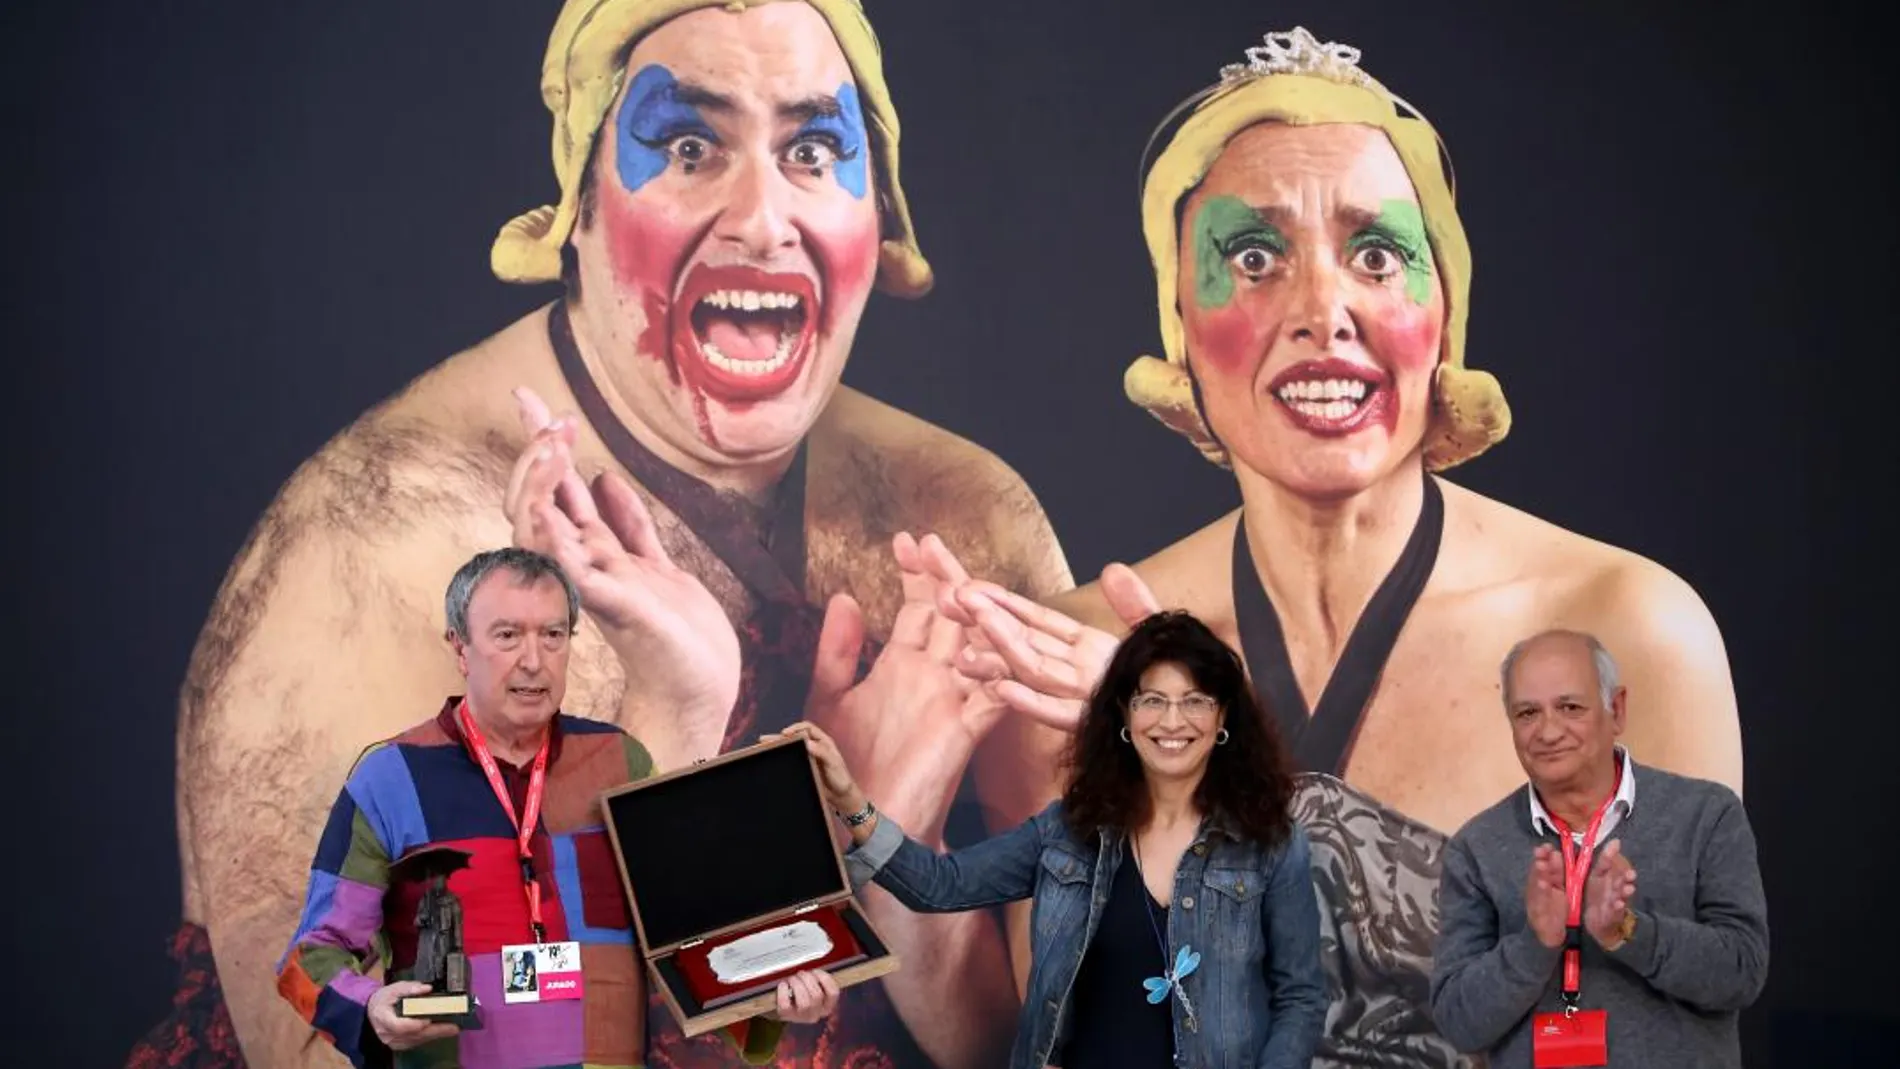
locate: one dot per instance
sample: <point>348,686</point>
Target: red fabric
<point>695,965</point>
<point>197,1033</point>
<point>494,911</point>
<point>603,899</point>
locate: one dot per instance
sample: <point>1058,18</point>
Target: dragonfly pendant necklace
<point>1186,960</point>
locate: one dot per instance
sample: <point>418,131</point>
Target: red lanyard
<point>524,824</point>
<point>1576,872</point>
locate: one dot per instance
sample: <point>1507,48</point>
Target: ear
<point>461,651</point>
<point>1618,706</point>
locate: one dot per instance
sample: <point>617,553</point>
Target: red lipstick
<point>1332,397</point>
<point>744,334</point>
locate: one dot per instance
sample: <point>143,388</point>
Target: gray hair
<point>1608,677</point>
<point>526,565</point>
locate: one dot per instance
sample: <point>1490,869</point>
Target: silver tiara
<point>1296,51</point>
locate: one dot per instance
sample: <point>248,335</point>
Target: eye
<point>814,152</point>
<point>1254,261</point>
<point>691,150</point>
<point>1378,260</point>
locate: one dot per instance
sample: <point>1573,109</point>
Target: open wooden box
<point>732,846</point>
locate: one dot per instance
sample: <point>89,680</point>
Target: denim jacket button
<point>1200,849</point>
<point>1188,902</point>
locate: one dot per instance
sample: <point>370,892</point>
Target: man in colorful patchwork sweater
<point>504,776</point>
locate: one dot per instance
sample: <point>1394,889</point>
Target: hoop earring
<point>1221,737</point>
<point>1127,737</point>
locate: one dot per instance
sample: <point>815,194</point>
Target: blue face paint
<point>650,119</point>
<point>844,134</point>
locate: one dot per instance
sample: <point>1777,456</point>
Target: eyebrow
<point>805,109</point>
<point>698,96</point>
<point>816,106</point>
<point>1355,217</point>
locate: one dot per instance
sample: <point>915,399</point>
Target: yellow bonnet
<point>1295,79</point>
<point>581,76</point>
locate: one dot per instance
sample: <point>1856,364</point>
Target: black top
<point>1322,740</point>
<point>1114,1024</point>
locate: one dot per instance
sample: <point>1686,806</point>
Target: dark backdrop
<point>234,226</point>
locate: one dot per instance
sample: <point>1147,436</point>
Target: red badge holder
<point>1573,1039</point>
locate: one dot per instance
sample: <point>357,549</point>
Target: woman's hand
<point>834,776</point>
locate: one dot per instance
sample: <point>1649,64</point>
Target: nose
<point>530,659</point>
<point>1317,313</point>
<point>1549,728</point>
<point>757,219</point>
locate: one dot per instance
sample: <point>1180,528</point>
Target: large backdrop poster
<point>1380,336</point>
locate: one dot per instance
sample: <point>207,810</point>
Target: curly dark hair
<point>1249,779</point>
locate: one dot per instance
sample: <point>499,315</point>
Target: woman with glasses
<point>1173,909</point>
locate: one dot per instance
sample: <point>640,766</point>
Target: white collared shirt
<point>1620,806</point>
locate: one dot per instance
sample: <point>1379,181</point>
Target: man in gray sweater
<point>1663,968</point>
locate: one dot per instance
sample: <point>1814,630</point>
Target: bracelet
<point>859,818</point>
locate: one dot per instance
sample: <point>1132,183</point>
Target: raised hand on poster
<point>1041,662</point>
<point>913,723</point>
<point>675,643</point>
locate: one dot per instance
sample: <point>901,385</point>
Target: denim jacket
<point>1258,996</point>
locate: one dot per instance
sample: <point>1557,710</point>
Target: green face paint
<point>1400,231</point>
<point>1223,227</point>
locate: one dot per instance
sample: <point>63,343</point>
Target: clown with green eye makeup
<point>1313,280</point>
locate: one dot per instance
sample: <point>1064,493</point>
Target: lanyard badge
<point>1575,1038</point>
<point>539,971</point>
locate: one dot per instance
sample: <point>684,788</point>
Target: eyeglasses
<point>1194,706</point>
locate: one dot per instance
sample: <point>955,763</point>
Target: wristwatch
<point>857,819</point>
<point>1625,928</point>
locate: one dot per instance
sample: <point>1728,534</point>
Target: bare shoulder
<point>1581,581</point>
<point>325,633</point>
<point>900,473</point>
<point>347,526</point>
<point>1683,713</point>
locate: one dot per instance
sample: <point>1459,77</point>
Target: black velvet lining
<point>726,844</point>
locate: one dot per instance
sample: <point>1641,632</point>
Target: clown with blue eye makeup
<point>672,427</point>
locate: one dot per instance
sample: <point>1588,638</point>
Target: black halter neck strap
<point>1322,741</point>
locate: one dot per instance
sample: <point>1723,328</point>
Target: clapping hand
<point>675,643</point>
<point>1607,895</point>
<point>1545,905</point>
<point>1043,663</point>
<point>914,722</point>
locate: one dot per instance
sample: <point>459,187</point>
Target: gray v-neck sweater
<point>1699,954</point>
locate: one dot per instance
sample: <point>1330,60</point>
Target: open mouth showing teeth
<point>749,332</point>
<point>528,692</point>
<point>1172,745</point>
<point>1328,399</point>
